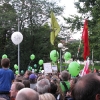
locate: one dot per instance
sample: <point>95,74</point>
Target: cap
<point>32,76</point>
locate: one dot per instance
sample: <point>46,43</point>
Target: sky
<point>70,10</point>
<point>69,7</point>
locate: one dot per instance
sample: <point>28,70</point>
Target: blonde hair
<point>46,96</point>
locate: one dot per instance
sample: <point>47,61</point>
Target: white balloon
<point>60,45</point>
<point>16,38</point>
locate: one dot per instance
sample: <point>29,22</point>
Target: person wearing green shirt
<point>64,83</point>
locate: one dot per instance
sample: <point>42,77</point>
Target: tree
<point>33,16</point>
<point>7,23</point>
<point>88,9</point>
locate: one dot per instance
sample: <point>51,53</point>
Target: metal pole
<point>60,61</point>
<point>78,49</point>
<point>18,50</point>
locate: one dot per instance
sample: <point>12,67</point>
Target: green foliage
<point>33,18</point>
<point>74,22</point>
<point>89,9</point>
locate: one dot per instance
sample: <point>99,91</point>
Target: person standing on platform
<point>6,78</point>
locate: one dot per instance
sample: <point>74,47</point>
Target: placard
<point>32,70</point>
<point>54,68</point>
<point>47,68</point>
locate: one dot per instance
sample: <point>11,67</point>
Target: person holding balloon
<point>6,78</point>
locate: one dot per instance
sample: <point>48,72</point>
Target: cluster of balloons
<point>4,56</point>
<point>16,68</point>
<point>54,55</point>
<point>16,38</point>
<point>35,68</point>
<point>74,68</point>
<point>32,56</point>
<point>29,68</point>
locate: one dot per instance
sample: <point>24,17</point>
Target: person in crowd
<point>40,77</point>
<point>46,96</point>
<point>2,99</point>
<point>18,78</point>
<point>43,86</point>
<point>65,84</point>
<point>72,82</point>
<point>27,94</point>
<point>53,89</point>
<point>27,74</point>
<point>87,87</point>
<point>6,78</point>
<point>32,79</point>
<point>55,79</point>
<point>15,87</point>
<point>26,83</point>
<point>48,76</point>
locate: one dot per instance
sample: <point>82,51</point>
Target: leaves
<point>33,18</point>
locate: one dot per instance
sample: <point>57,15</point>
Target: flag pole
<point>92,62</point>
<point>79,48</point>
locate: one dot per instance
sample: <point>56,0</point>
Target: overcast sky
<point>69,7</point>
<point>70,10</point>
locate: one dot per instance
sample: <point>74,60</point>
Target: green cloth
<point>62,86</point>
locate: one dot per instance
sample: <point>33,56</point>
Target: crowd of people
<point>47,86</point>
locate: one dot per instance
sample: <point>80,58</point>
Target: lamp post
<point>18,49</point>
<point>60,45</point>
<point>17,38</point>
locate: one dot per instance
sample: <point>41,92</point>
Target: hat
<point>32,76</point>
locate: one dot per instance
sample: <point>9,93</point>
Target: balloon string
<point>29,63</point>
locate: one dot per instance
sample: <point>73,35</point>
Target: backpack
<point>65,86</point>
<point>66,90</point>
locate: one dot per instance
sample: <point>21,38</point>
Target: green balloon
<point>32,57</point>
<point>40,62</point>
<point>29,68</point>
<point>54,55</point>
<point>16,72</point>
<point>16,66</point>
<point>67,56</point>
<point>74,68</point>
<point>22,72</point>
<point>35,70</point>
<point>40,68</point>
<point>35,65</point>
<point>4,56</point>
